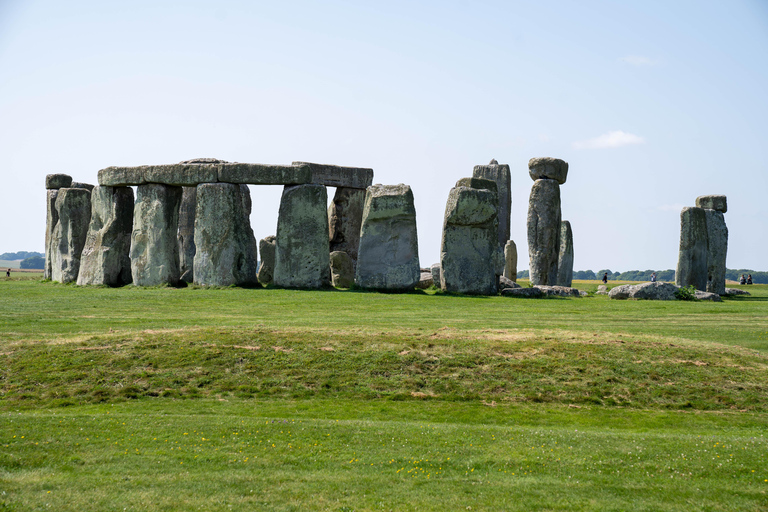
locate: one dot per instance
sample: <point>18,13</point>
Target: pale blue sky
<point>651,103</point>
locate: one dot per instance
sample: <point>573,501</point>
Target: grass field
<point>237,399</point>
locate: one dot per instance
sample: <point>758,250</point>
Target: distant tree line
<point>34,262</point>
<point>661,275</point>
<point>757,276</point>
<point>21,255</point>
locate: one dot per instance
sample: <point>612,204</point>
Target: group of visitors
<point>745,280</point>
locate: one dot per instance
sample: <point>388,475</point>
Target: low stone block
<point>548,168</point>
<point>713,202</point>
<point>505,282</point>
<point>425,281</point>
<point>510,260</point>
<point>435,269</point>
<point>267,256</point>
<point>338,176</point>
<point>714,297</point>
<point>559,291</point>
<point>527,293</point>
<point>342,270</point>
<point>57,181</point>
<point>264,174</point>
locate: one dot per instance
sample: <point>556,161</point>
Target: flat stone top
<point>548,168</point>
<point>57,181</point>
<point>339,176</point>
<point>713,202</point>
<point>204,161</point>
<point>204,170</point>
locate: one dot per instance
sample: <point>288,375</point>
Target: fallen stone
<point>621,292</point>
<point>106,258</point>
<point>425,281</point>
<point>713,202</point>
<point>510,260</point>
<point>345,217</point>
<point>602,290</point>
<point>186,234</point>
<point>263,174</point>
<point>505,282</point>
<point>692,264</point>
<point>267,265</point>
<point>73,206</point>
<point>154,239</point>
<point>548,168</point>
<point>647,291</point>
<point>736,291</point>
<point>544,232</point>
<point>302,246</point>
<point>565,256</point>
<point>528,293</point>
<point>122,176</point>
<point>584,294</point>
<point>51,219</point>
<point>559,291</point>
<point>717,250</point>
<point>338,176</point>
<point>388,258</point>
<point>500,175</point>
<point>342,270</point>
<point>714,297</point>
<point>57,181</point>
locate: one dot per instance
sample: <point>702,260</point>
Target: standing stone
<point>544,231</point>
<point>510,260</point>
<point>302,246</point>
<point>469,247</point>
<point>345,216</point>
<point>692,259</point>
<point>435,269</point>
<point>73,206</point>
<point>501,175</point>
<point>225,248</point>
<point>342,270</point>
<point>106,256</point>
<point>388,258</point>
<point>154,239</point>
<point>267,265</point>
<point>717,249</point>
<point>186,233</point>
<point>51,219</point>
<point>565,256</point>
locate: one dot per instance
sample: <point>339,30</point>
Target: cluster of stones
<point>703,245</point>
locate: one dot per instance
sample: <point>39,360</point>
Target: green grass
<point>228,399</point>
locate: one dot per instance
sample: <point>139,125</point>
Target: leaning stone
<point>713,202</point>
<point>653,291</point>
<point>565,256</point>
<point>717,250</point>
<point>736,291</point>
<point>182,175</point>
<point>186,233</point>
<point>388,258</point>
<point>106,256</point>
<point>548,168</point>
<point>263,174</point>
<point>529,293</point>
<point>302,248</point>
<point>510,260</point>
<point>73,206</point>
<point>154,239</point>
<point>122,176</point>
<point>505,282</point>
<point>51,219</point>
<point>544,232</point>
<point>342,270</point>
<point>501,175</point>
<point>338,176</point>
<point>425,281</point>
<point>559,291</point>
<point>225,248</point>
<point>345,217</point>
<point>435,269</point>
<point>692,258</point>
<point>714,297</point>
<point>267,265</point>
<point>57,181</point>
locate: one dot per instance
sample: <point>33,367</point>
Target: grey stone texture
<point>186,233</point>
<point>647,291</point>
<point>544,232</point>
<point>602,290</point>
<point>338,176</point>
<point>425,280</point>
<point>692,259</point>
<point>559,291</point>
<point>505,282</point>
<point>195,172</point>
<point>510,260</point>
<point>527,293</point>
<point>302,246</point>
<point>106,258</point>
<point>436,273</point>
<point>469,246</point>
<point>267,265</point>
<point>388,258</point>
<point>264,174</point>
<point>501,175</point>
<point>51,218</point>
<point>565,256</point>
<point>57,181</point>
<point>713,202</point>
<point>736,291</point>
<point>345,217</point>
<point>342,270</point>
<point>183,174</point>
<point>225,248</point>
<point>154,238</point>
<point>714,297</point>
<point>121,176</point>
<point>717,250</point>
<point>73,206</point>
<point>548,168</point>
<point>86,186</point>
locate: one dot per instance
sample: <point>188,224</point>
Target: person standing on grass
<point>8,273</point>
<point>743,279</point>
<point>653,277</point>
<point>605,278</point>
<point>749,279</point>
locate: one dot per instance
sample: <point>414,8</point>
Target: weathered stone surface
<point>435,269</point>
<point>122,176</point>
<point>425,280</point>
<point>388,258</point>
<point>204,161</point>
<point>560,291</point>
<point>225,248</point>
<point>57,181</point>
<point>469,247</point>
<point>714,297</point>
<point>73,206</point>
<point>106,256</point>
<point>620,292</point>
<point>528,293</point>
<point>565,256</point>
<point>713,202</point>
<point>647,291</point>
<point>602,290</point>
<point>501,175</point>
<point>717,250</point>
<point>736,291</point>
<point>338,176</point>
<point>505,282</point>
<point>183,174</point>
<point>510,260</point>
<point>86,186</point>
<point>186,234</point>
<point>544,232</point>
<point>345,217</point>
<point>154,239</point>
<point>548,168</point>
<point>265,174</point>
<point>478,183</point>
<point>51,218</point>
<point>342,270</point>
<point>267,256</point>
<point>692,259</point>
<point>302,247</point>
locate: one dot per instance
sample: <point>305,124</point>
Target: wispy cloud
<point>614,139</point>
<point>637,60</point>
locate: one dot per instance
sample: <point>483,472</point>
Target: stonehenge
<point>73,213</point>
<point>501,175</point>
<point>703,245</point>
<point>154,238</point>
<point>267,265</point>
<point>510,260</point>
<point>544,231</point>
<point>565,255</point>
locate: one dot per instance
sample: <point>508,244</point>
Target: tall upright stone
<point>51,219</point>
<point>186,233</point>
<point>544,231</point>
<point>106,256</point>
<point>73,208</point>
<point>225,248</point>
<point>345,217</point>
<point>692,259</point>
<point>154,239</point>
<point>565,255</point>
<point>717,250</point>
<point>500,174</point>
<point>510,260</point>
<point>469,245</point>
<point>301,245</point>
<point>388,258</point>
<point>267,265</point>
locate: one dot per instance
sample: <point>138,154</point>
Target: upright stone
<point>267,265</point>
<point>154,239</point>
<point>510,260</point>
<point>469,245</point>
<point>544,231</point>
<point>692,259</point>
<point>388,258</point>
<point>342,270</point>
<point>565,256</point>
<point>717,250</point>
<point>345,216</point>
<point>186,233</point>
<point>73,206</point>
<point>435,269</point>
<point>225,248</point>
<point>106,256</point>
<point>301,246</point>
<point>51,218</point>
<point>501,175</point>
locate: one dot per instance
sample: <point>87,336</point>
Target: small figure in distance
<point>605,277</point>
<point>8,273</point>
<point>743,279</point>
<point>749,279</point>
<point>653,277</point>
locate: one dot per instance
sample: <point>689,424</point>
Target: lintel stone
<point>713,202</point>
<point>57,181</point>
<point>265,174</point>
<point>338,176</point>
